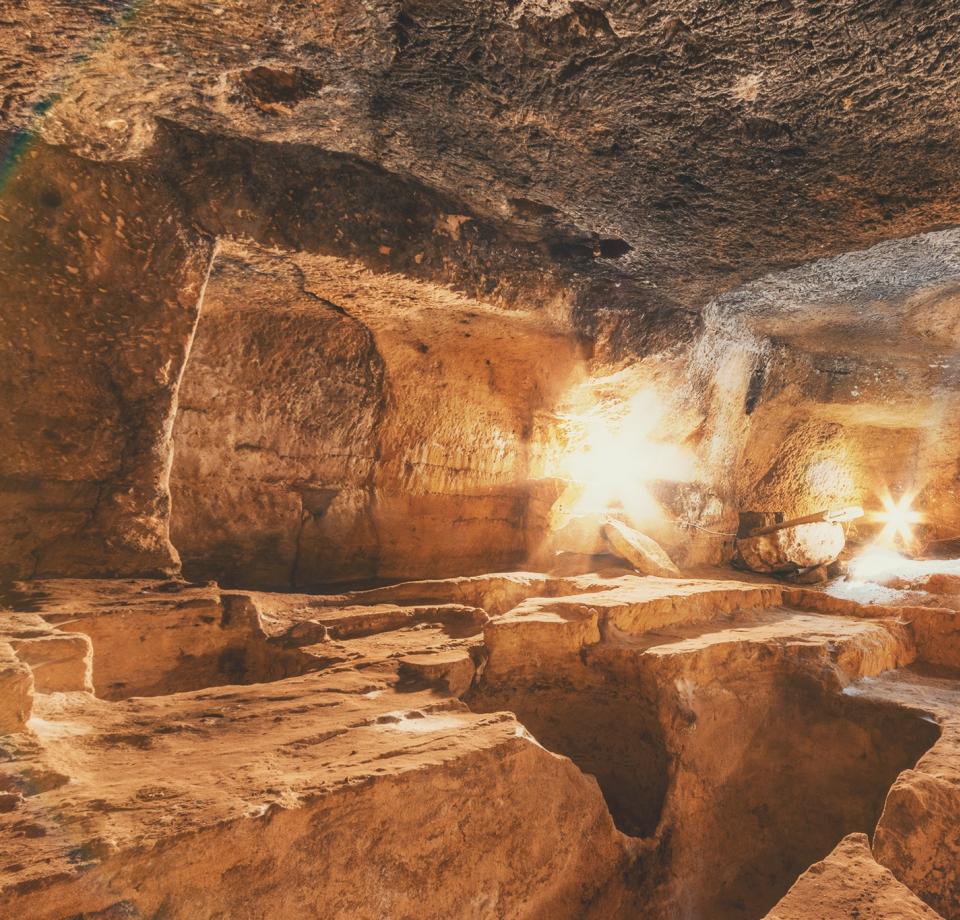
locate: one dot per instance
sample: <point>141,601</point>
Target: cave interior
<point>390,395</point>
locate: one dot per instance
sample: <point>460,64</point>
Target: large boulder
<point>802,547</point>
<point>643,553</point>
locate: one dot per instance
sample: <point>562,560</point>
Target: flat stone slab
<point>349,786</point>
<point>852,648</point>
<point>543,628</point>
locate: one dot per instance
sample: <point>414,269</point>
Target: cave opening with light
<point>479,460</point>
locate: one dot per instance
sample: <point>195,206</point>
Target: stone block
<point>59,662</point>
<point>16,691</point>
<point>643,553</point>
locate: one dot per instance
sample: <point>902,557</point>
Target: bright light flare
<point>898,519</point>
<point>612,454</point>
<point>876,563</point>
<point>881,575</point>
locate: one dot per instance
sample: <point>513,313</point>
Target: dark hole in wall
<point>271,85</point>
<point>582,250</point>
<point>613,248</point>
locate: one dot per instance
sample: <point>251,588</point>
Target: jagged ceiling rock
<point>685,146</point>
<point>897,300</point>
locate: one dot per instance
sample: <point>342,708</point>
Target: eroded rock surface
<point>294,295</point>
<point>394,439</point>
<point>631,744</point>
<point>850,883</point>
<point>546,158</point>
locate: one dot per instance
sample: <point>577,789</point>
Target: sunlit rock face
<point>339,425</point>
<point>828,385</point>
<point>849,380</point>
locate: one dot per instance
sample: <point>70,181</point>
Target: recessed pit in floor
<point>612,733</point>
<point>742,763</point>
<point>717,742</point>
<point>769,782</point>
<point>157,643</point>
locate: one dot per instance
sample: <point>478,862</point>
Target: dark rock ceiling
<point>658,154</point>
<point>898,298</point>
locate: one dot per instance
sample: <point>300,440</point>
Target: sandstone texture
<point>644,554</point>
<point>404,208</point>
<point>58,662</point>
<point>381,386</point>
<point>604,746</point>
<point>16,681</point>
<point>343,466</point>
<point>849,883</point>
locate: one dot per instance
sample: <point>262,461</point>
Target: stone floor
<point>514,745</point>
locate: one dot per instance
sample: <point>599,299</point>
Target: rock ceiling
<point>661,152</point>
